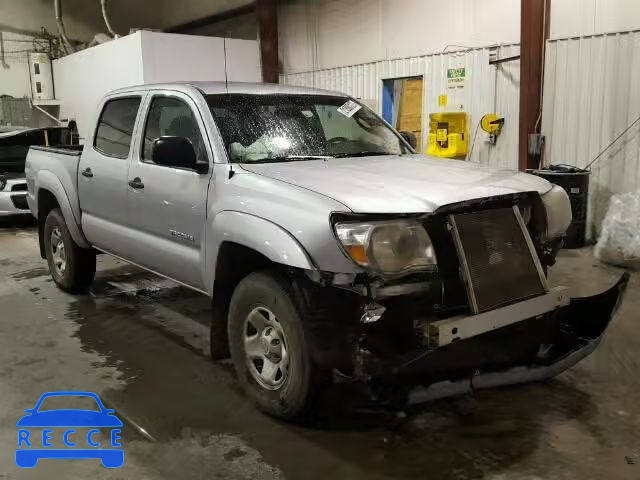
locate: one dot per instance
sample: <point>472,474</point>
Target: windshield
<point>279,128</point>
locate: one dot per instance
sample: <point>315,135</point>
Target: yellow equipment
<point>448,134</point>
<point>492,124</point>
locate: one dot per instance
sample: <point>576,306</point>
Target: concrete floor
<point>139,343</point>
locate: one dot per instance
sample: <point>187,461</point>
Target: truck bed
<point>15,142</point>
<point>61,162</point>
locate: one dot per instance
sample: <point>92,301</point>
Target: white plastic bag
<point>619,243</point>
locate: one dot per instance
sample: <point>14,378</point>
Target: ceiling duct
<point>103,3</point>
<point>57,7</point>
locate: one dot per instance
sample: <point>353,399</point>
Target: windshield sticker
<point>349,109</point>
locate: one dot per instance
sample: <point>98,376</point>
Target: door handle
<point>87,173</point>
<point>136,183</point>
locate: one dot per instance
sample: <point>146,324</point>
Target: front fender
<point>47,180</point>
<point>263,236</point>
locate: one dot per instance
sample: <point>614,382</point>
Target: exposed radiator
<point>498,260</point>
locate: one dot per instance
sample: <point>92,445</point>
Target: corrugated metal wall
<point>18,111</point>
<point>488,89</point>
<point>591,95</point>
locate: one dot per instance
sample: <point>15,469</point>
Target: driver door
<point>168,205</point>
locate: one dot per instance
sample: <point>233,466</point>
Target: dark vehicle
<point>14,145</point>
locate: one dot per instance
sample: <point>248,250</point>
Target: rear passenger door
<point>102,179</point>
<point>168,205</point>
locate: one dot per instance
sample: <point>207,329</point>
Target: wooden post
<point>534,31</point>
<point>267,11</point>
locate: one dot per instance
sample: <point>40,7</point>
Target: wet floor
<point>140,343</point>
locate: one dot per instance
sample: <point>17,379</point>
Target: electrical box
<point>448,136</point>
<point>41,76</point>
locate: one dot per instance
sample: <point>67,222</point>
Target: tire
<point>218,337</point>
<point>293,394</point>
<point>72,270</point>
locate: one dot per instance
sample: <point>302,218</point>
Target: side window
<point>115,127</point>
<point>172,117</point>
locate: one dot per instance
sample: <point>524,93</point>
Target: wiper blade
<point>361,154</point>
<point>286,158</point>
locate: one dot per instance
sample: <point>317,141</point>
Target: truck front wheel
<point>269,349</point>
<point>72,267</point>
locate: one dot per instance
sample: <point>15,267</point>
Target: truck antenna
<point>226,76</point>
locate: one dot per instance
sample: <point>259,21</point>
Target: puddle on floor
<point>158,339</point>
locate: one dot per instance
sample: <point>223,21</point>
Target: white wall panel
<point>14,65</point>
<point>591,95</point>
<point>324,34</point>
<point>81,79</point>
<point>588,17</point>
<point>488,89</point>
<point>168,57</point>
<point>507,104</point>
<point>243,60</point>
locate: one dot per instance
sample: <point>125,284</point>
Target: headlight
<point>558,208</point>
<point>388,247</point>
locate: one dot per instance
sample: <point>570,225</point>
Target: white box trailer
<point>82,78</point>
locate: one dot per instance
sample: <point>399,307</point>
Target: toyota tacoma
<point>330,249</point>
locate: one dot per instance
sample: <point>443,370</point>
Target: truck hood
<point>400,184</point>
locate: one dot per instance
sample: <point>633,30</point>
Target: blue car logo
<point>34,444</point>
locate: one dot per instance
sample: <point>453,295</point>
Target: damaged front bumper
<point>534,349</point>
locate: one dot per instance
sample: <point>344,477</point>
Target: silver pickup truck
<point>331,250</point>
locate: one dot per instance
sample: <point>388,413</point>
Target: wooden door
<point>410,109</point>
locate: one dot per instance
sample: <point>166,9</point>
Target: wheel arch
<point>237,245</point>
<point>53,195</point>
<point>235,262</point>
<point>256,234</point>
<point>47,201</point>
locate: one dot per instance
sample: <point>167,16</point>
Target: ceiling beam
<point>212,19</point>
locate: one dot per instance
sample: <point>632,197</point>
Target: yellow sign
<point>442,100</point>
<point>442,135</point>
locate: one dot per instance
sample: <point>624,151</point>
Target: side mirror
<point>410,139</point>
<point>177,152</point>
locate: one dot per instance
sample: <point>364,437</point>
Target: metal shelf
<point>46,102</point>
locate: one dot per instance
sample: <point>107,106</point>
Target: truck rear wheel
<point>72,267</point>
<point>269,347</point>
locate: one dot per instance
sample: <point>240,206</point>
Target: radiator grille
<point>501,268</point>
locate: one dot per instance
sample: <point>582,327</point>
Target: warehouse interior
<point>548,87</point>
